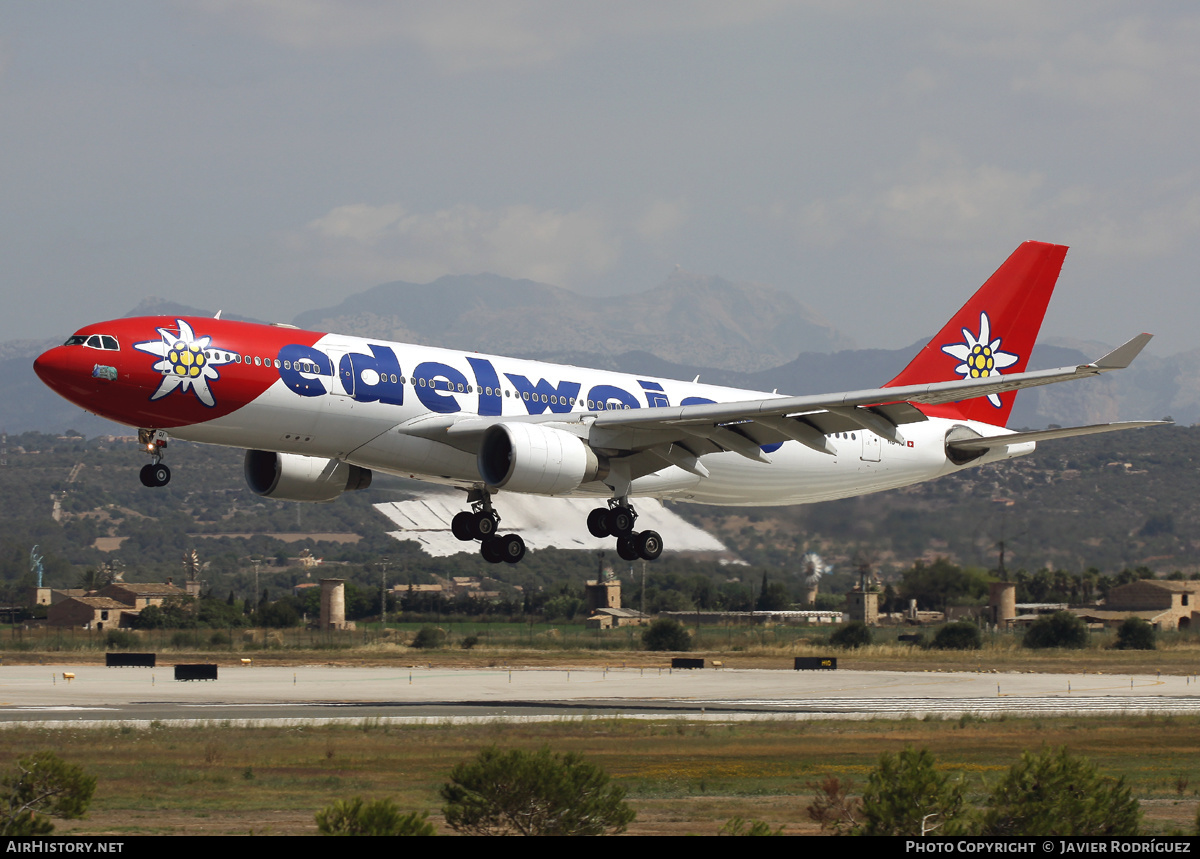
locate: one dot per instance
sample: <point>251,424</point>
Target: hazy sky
<point>878,160</point>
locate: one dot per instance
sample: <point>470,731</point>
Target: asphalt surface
<point>248,694</point>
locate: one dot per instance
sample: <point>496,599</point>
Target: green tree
<point>1053,793</point>
<point>962,635</point>
<point>429,638</point>
<point>43,786</point>
<point>1135,634</point>
<point>666,634</point>
<point>533,793</point>
<point>1061,629</point>
<point>381,817</point>
<point>854,634</point>
<point>906,795</point>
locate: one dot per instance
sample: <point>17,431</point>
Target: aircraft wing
<point>988,442</point>
<point>679,435</point>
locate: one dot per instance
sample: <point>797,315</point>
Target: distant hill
<point>690,319</point>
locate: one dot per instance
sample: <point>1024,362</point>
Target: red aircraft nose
<point>67,370</point>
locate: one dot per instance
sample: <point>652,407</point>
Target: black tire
<point>512,548</point>
<point>147,475</point>
<point>161,474</point>
<point>596,523</point>
<point>483,525</point>
<point>461,525</point>
<point>649,545</point>
<point>627,549</point>
<point>619,521</point>
<point>492,550</point>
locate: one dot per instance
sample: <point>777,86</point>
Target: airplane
<point>318,413</point>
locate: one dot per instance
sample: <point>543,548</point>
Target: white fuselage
<point>367,419</point>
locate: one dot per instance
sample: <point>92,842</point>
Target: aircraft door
<point>872,446</point>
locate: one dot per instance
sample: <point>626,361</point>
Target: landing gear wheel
<point>483,525</point>
<point>512,548</point>
<point>596,523</point>
<point>492,550</point>
<point>461,525</point>
<point>155,475</point>
<point>649,545</point>
<point>619,521</point>
<point>627,549</point>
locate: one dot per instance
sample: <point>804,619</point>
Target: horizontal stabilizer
<point>1045,435</point>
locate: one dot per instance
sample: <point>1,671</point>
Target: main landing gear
<point>481,524</point>
<point>155,473</point>
<point>617,520</point>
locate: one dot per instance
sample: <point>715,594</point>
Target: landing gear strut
<point>156,473</point>
<point>482,523</point>
<point>617,520</point>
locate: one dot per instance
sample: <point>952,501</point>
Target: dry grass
<point>680,777</point>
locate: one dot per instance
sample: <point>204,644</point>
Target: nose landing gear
<point>156,473</point>
<point>617,520</point>
<point>482,523</point>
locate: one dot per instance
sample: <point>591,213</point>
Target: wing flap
<point>989,442</point>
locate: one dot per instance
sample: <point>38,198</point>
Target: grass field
<point>536,644</point>
<point>681,777</point>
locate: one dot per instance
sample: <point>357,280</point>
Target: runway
<point>319,694</point>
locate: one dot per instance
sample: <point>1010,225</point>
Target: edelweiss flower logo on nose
<point>186,363</point>
<point>981,355</point>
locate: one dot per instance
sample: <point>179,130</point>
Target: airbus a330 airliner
<point>318,413</point>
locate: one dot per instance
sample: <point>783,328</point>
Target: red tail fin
<point>992,334</point>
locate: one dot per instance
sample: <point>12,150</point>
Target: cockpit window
<point>96,341</point>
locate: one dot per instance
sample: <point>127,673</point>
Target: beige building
<point>1166,604</point>
<point>114,605</point>
<point>91,613</point>
<point>863,605</point>
<point>138,595</point>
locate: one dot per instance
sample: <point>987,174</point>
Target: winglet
<point>1123,355</point>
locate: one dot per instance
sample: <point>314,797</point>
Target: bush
<point>906,795</point>
<point>533,793</point>
<point>1135,634</point>
<point>381,817</point>
<point>43,784</point>
<point>666,634</point>
<point>1053,793</point>
<point>119,639</point>
<point>854,634</point>
<point>1061,629</point>
<point>740,826</point>
<point>958,636</point>
<point>429,637</point>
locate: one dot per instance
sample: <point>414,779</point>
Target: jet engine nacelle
<point>292,477</point>
<point>536,459</point>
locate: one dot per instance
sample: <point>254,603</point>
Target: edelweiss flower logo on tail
<point>981,355</point>
<point>186,363</point>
